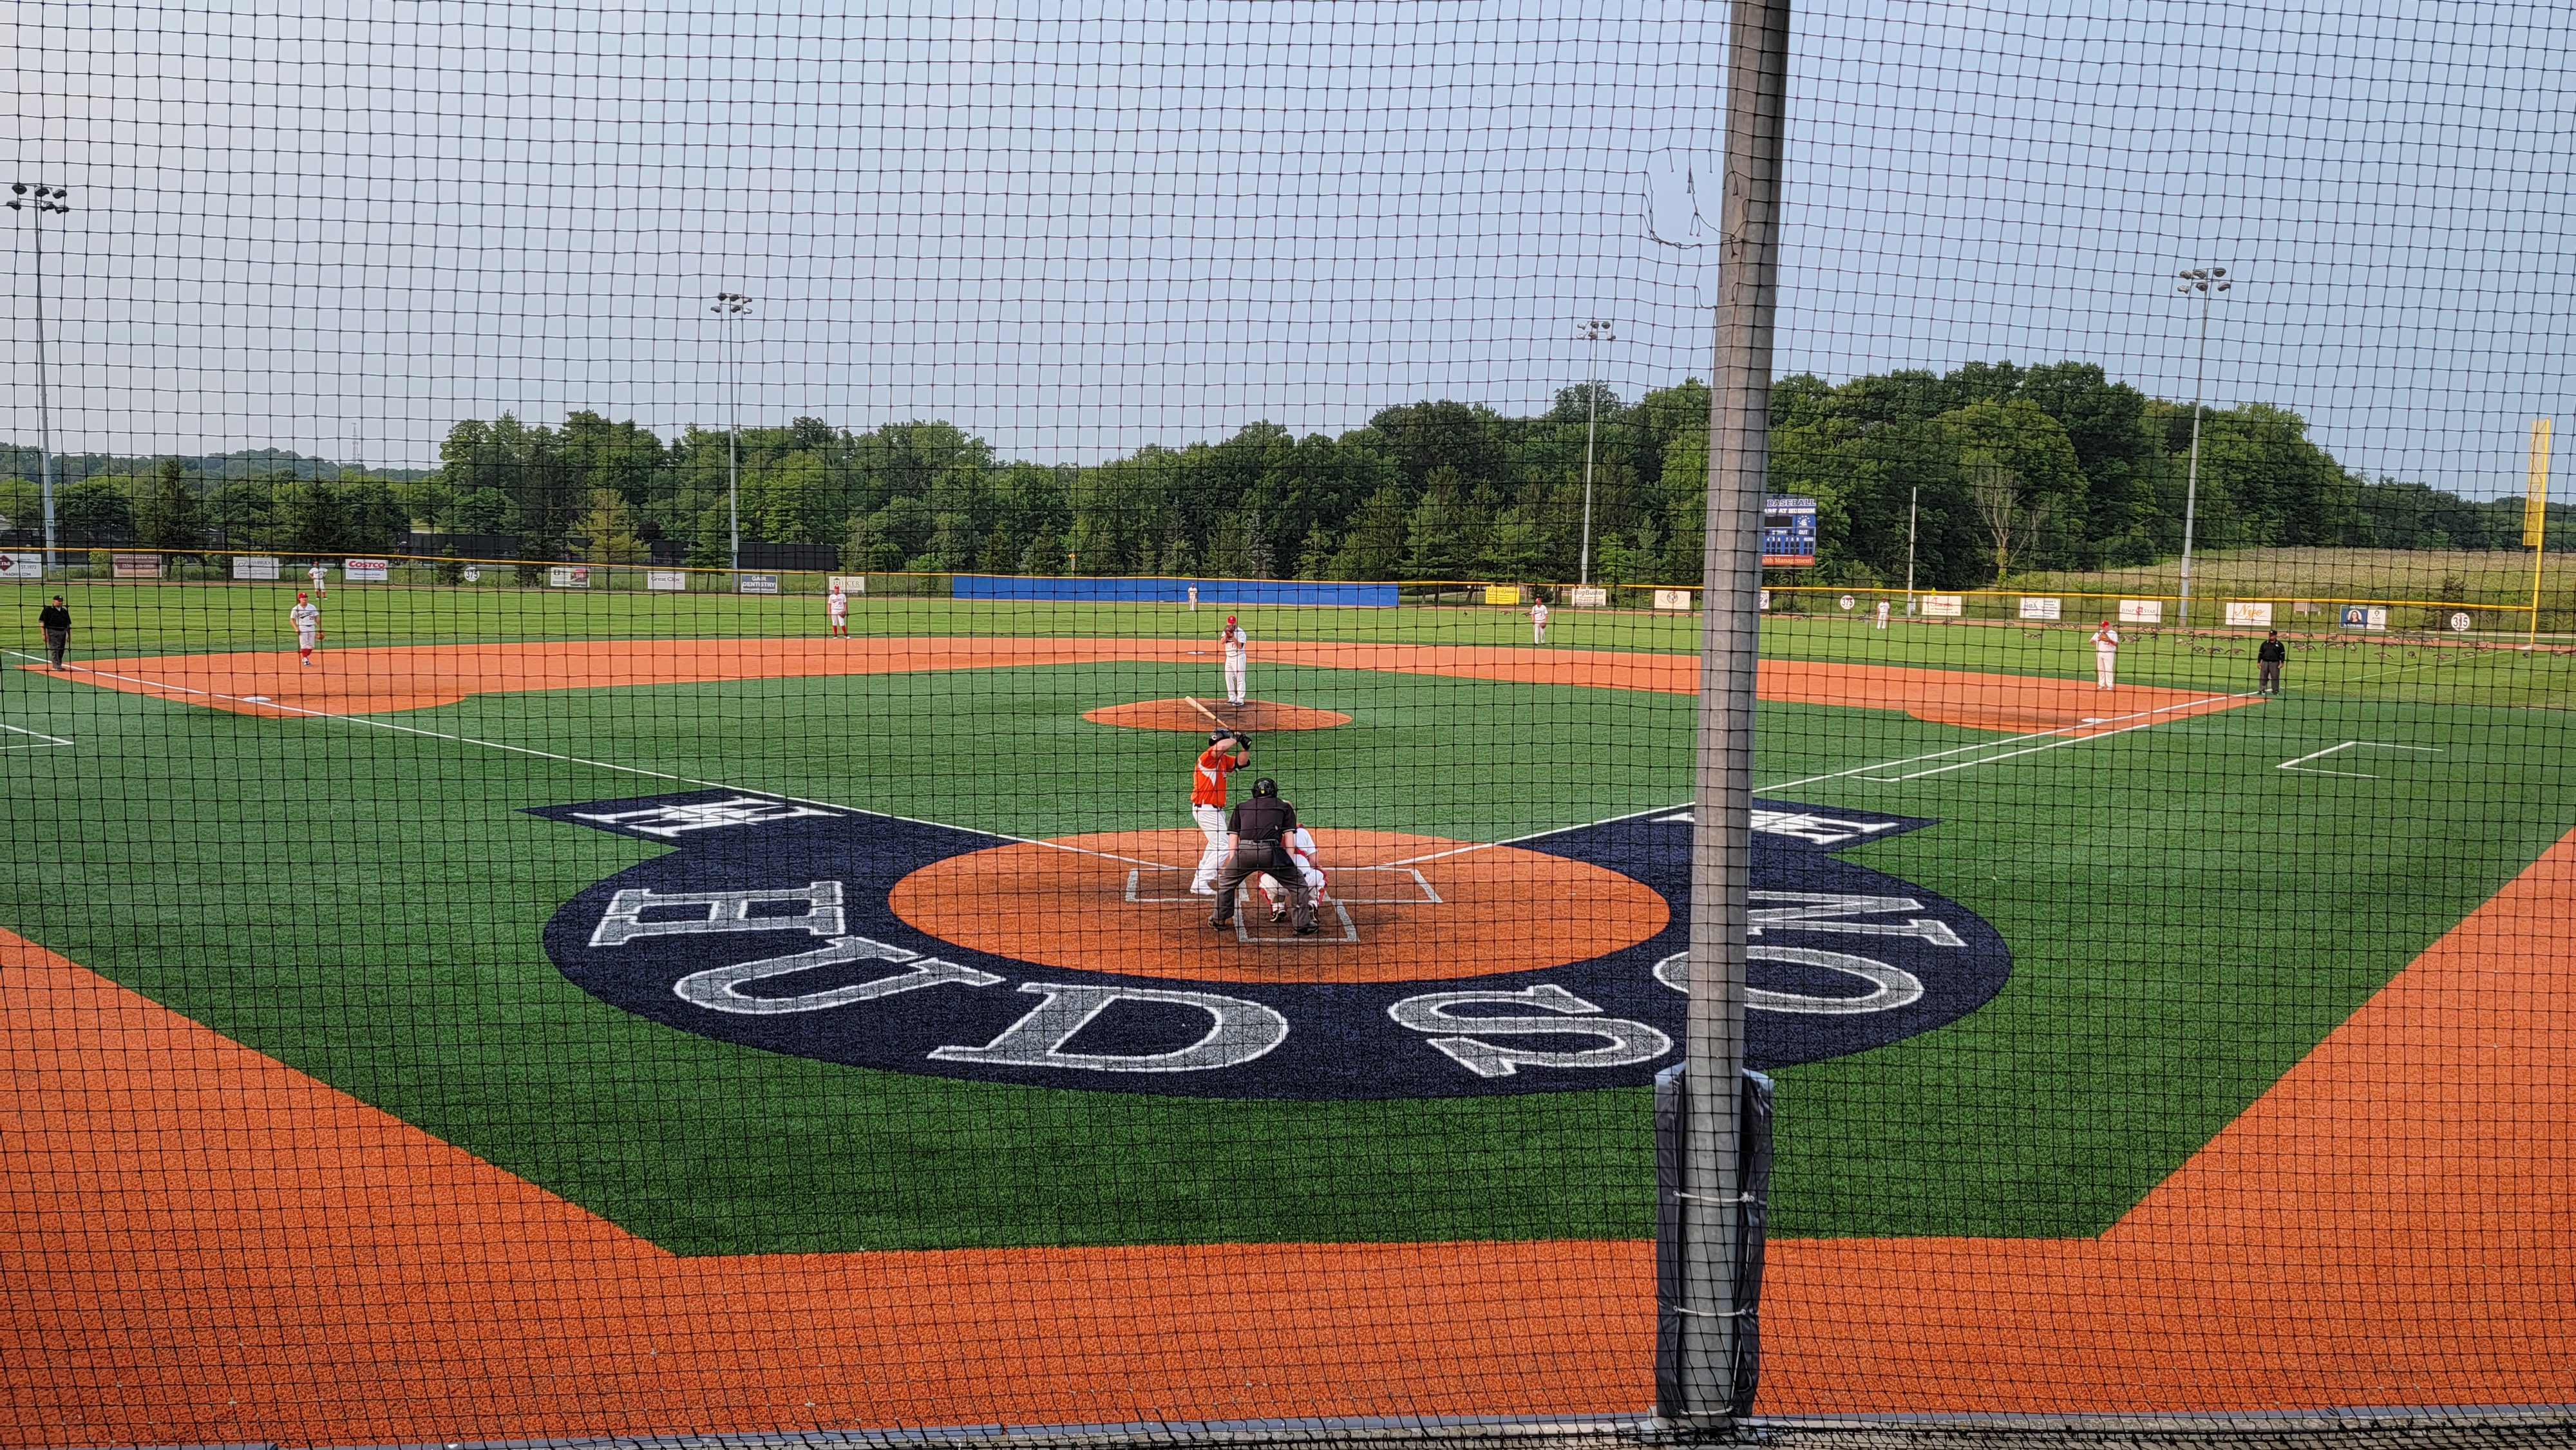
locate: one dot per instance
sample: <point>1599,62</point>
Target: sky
<point>1078,228</point>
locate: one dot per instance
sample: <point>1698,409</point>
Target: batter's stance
<point>1226,753</point>
<point>1258,829</point>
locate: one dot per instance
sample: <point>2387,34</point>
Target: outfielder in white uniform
<point>2106,655</point>
<point>1238,659</point>
<point>1538,622</point>
<point>307,619</point>
<point>837,605</point>
<point>321,578</point>
<point>1301,849</point>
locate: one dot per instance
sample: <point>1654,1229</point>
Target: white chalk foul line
<point>264,703</point>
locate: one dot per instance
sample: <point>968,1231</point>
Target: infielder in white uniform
<point>1301,849</point>
<point>1538,622</point>
<point>306,616</point>
<point>2106,655</point>
<point>837,606</point>
<point>1237,659</point>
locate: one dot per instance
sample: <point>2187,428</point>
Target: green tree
<point>1431,544</point>
<point>169,517</point>
<point>607,522</point>
<point>94,506</point>
<point>311,517</point>
<point>1374,546</point>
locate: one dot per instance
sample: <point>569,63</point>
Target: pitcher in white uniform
<point>2106,655</point>
<point>1238,659</point>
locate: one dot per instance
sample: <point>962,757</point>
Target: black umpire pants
<point>1250,859</point>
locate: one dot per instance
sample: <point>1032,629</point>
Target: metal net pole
<point>1721,846</point>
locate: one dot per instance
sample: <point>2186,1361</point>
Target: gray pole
<point>44,415</point>
<point>729,309</point>
<point>57,200</point>
<point>1912,505</point>
<point>1722,801</point>
<point>2205,281</point>
<point>1593,331</point>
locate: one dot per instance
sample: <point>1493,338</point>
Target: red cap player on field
<point>307,619</point>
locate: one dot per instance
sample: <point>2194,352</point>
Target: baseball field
<point>647,1011</point>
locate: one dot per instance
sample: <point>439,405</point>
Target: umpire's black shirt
<point>1264,818</point>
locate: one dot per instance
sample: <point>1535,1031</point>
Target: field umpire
<point>1257,830</point>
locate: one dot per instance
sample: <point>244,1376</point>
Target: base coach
<point>1257,831</point>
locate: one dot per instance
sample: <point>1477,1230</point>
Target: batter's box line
<point>1429,896</point>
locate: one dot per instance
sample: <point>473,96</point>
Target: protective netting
<point>649,632</point>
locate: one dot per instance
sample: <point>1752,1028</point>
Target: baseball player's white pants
<point>1234,673</point>
<point>1211,820</point>
<point>1277,893</point>
<point>308,638</point>
<point>2103,661</point>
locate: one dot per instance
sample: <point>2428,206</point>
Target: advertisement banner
<point>568,576</point>
<point>2032,608</point>
<point>364,571</point>
<point>2142,611</point>
<point>1672,599</point>
<point>1593,596</point>
<point>30,565</point>
<point>135,566</point>
<point>759,583</point>
<point>1944,606</point>
<point>669,581</point>
<point>2249,614</point>
<point>1502,594</point>
<point>2360,616</point>
<point>858,583</point>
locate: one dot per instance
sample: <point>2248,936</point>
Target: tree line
<point>2001,469</point>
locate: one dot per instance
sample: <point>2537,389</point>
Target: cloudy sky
<point>1076,228</point>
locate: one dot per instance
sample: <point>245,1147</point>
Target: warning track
<point>418,677</point>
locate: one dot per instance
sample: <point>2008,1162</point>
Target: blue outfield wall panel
<point>1171,591</point>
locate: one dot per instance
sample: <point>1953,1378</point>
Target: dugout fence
<point>545,990</point>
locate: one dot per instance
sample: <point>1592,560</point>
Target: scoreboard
<point>1788,532</point>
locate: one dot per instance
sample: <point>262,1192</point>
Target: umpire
<point>1258,829</point>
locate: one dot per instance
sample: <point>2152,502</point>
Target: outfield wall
<point>1172,591</point>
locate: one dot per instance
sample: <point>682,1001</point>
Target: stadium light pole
<point>1596,332</point>
<point>38,202</point>
<point>2204,283</point>
<point>730,308</point>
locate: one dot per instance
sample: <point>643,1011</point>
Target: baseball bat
<point>1204,710</point>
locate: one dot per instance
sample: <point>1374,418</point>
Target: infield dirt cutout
<point>1092,903</point>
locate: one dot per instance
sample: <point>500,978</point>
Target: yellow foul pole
<point>2535,517</point>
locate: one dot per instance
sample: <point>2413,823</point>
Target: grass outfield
<point>2187,919</point>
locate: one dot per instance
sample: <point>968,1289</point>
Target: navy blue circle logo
<point>769,925</point>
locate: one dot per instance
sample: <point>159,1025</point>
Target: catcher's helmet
<point>1265,786</point>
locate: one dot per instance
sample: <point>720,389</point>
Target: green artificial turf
<point>2187,919</point>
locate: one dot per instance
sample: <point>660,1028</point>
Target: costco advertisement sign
<point>365,571</point>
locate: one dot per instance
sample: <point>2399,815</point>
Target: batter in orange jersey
<point>1226,753</point>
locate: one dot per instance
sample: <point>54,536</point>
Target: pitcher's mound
<point>1257,716</point>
